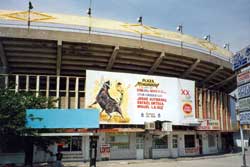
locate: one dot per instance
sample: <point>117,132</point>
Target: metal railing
<point>69,90</point>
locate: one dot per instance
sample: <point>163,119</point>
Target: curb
<point>168,159</point>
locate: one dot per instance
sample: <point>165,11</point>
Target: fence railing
<point>69,90</point>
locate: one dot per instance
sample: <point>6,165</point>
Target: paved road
<point>228,160</point>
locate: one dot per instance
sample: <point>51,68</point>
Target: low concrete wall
<point>160,153</point>
<point>17,158</point>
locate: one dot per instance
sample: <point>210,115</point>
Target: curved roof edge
<point>112,26</point>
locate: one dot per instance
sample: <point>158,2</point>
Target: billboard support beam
<point>156,63</point>
<point>59,57</point>
<point>211,75</point>
<point>112,58</point>
<point>220,84</point>
<point>3,59</point>
<point>191,68</point>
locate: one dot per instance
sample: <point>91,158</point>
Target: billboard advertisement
<point>123,98</point>
<point>245,117</point>
<point>209,124</point>
<point>62,118</point>
<point>244,104</point>
<point>243,77</point>
<point>244,91</point>
<point>241,58</point>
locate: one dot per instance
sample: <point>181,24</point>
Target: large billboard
<point>123,98</point>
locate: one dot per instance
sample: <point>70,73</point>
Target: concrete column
<point>205,148</point>
<point>86,149</point>
<point>148,146</point>
<point>170,144</point>
<point>181,145</point>
<point>132,147</point>
<point>102,140</point>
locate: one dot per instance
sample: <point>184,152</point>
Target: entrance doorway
<point>139,147</point>
<point>200,144</point>
<point>175,146</point>
<point>71,144</point>
<point>71,147</point>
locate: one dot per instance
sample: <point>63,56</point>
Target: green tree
<point>13,107</point>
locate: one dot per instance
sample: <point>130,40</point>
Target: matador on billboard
<point>123,98</point>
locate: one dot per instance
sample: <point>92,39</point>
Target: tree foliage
<point>13,107</point>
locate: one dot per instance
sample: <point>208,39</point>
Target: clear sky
<point>225,20</point>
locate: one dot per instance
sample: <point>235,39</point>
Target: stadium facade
<point>51,57</point>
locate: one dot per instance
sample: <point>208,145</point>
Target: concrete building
<point>50,60</point>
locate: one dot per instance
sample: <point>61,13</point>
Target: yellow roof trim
<point>111,25</point>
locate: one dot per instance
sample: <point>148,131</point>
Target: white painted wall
<point>116,153</point>
<point>160,153</point>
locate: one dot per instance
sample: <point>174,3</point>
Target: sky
<point>227,21</point>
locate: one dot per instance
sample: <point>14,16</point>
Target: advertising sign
<point>241,58</point>
<point>244,91</point>
<point>244,104</point>
<point>243,77</point>
<point>245,117</point>
<point>123,98</point>
<point>209,124</point>
<point>62,118</point>
<point>105,151</point>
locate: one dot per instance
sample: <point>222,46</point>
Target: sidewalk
<point>146,161</point>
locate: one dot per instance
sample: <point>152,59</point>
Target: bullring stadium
<point>50,57</point>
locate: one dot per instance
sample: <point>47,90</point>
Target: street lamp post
<point>30,8</point>
<point>243,147</point>
<point>139,19</point>
<point>208,38</point>
<point>179,28</point>
<point>227,46</point>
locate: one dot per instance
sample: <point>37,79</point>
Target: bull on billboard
<point>123,98</point>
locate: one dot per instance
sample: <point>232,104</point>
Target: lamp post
<point>243,147</point>
<point>89,13</point>
<point>226,46</point>
<point>139,20</point>
<point>30,8</point>
<point>179,28</point>
<point>208,38</point>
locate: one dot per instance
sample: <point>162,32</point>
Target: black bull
<point>106,102</point>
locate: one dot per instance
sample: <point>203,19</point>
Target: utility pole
<point>243,147</point>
